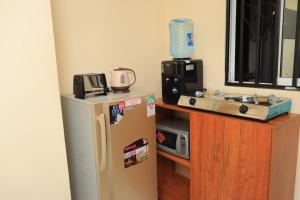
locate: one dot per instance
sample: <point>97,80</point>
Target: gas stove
<point>249,106</point>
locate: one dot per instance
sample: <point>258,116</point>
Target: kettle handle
<point>132,71</point>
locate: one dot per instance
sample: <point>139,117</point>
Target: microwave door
<point>174,143</point>
<point>169,141</point>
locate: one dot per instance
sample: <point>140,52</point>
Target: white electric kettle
<point>120,81</point>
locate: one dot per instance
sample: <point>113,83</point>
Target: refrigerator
<point>111,146</point>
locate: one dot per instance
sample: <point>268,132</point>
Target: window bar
<point>241,42</point>
<point>297,51</point>
<point>277,44</point>
<point>228,14</point>
<point>258,42</point>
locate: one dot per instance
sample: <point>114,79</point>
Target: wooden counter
<point>232,158</point>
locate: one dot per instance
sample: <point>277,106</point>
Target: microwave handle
<point>178,146</point>
<point>103,163</point>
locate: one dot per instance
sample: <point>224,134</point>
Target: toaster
<point>86,85</point>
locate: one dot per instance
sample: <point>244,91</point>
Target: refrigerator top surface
<point>109,97</point>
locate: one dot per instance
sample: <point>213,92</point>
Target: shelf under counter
<point>172,183</point>
<point>174,158</point>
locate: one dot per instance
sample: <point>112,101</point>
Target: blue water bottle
<point>181,38</point>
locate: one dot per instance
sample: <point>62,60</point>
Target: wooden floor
<point>177,188</point>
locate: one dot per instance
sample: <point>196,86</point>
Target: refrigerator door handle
<point>101,120</point>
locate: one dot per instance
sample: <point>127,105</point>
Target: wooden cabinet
<point>246,160</point>
<point>206,160</point>
<point>232,158</point>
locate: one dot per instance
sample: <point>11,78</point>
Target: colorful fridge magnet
<point>116,113</point>
<point>136,152</point>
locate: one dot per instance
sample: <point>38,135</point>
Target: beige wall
<point>209,19</point>
<point>288,50</point>
<point>291,4</point>
<point>98,36</point>
<point>33,162</point>
<point>288,46</point>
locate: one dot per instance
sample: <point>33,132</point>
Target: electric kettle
<point>120,81</point>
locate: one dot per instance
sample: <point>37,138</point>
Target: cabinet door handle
<point>215,156</point>
<point>227,155</point>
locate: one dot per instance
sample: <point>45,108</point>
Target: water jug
<point>181,38</point>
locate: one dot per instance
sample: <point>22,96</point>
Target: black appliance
<point>181,77</point>
<point>85,85</point>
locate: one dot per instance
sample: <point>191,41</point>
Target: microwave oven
<point>173,136</point>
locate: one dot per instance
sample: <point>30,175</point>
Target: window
<point>263,43</point>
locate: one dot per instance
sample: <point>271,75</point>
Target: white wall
<point>210,29</point>
<point>33,162</point>
<point>288,58</point>
<point>98,36</point>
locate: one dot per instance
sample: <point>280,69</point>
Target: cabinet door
<point>246,160</point>
<point>206,156</point>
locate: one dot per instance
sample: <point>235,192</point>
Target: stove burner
<point>255,99</point>
<point>251,100</point>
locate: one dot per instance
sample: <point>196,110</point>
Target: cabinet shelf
<point>174,158</point>
<point>171,184</point>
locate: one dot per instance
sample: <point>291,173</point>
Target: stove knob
<point>192,101</point>
<point>244,109</point>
